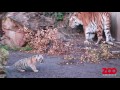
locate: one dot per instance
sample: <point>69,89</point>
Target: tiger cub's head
<point>74,20</point>
<point>39,58</point>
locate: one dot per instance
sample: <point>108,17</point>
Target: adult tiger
<point>93,23</point>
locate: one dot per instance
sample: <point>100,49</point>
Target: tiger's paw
<point>113,39</point>
<point>36,70</point>
<point>87,42</point>
<point>97,43</point>
<point>21,70</point>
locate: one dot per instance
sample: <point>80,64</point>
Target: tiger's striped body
<point>93,23</point>
<point>29,62</point>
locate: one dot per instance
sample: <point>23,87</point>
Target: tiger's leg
<point>19,68</point>
<point>87,35</point>
<point>99,35</point>
<point>33,67</point>
<point>90,39</point>
<point>107,25</point>
<point>108,35</point>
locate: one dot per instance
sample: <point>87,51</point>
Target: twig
<point>115,52</point>
<point>113,44</point>
<point>117,42</point>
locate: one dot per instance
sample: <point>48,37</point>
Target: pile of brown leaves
<point>47,41</point>
<point>92,54</point>
<point>97,54</point>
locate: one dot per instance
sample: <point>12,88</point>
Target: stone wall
<point>116,25</point>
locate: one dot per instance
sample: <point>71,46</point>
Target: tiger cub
<point>93,23</point>
<point>29,62</point>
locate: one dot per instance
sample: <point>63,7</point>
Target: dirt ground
<point>56,67</point>
<point>52,68</point>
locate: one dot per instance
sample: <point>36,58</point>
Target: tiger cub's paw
<point>36,70</point>
<point>21,70</point>
<point>87,42</point>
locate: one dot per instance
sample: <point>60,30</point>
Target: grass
<point>8,48</point>
<point>26,48</point>
<point>5,47</point>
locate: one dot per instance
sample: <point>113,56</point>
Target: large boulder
<point>31,20</point>
<point>13,33</point>
<point>16,24</point>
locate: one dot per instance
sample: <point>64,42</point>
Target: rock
<point>31,20</point>
<point>16,24</point>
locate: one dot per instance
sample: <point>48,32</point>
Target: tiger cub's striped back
<point>29,62</point>
<point>93,23</point>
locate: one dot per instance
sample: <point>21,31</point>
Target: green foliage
<point>8,48</point>
<point>3,56</point>
<point>5,47</point>
<point>3,61</point>
<point>26,48</point>
<point>59,16</point>
<point>15,49</point>
<point>4,52</point>
<point>48,14</point>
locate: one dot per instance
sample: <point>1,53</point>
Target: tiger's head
<point>74,20</point>
<point>39,58</point>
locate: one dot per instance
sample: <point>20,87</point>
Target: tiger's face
<point>74,21</point>
<point>39,58</point>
